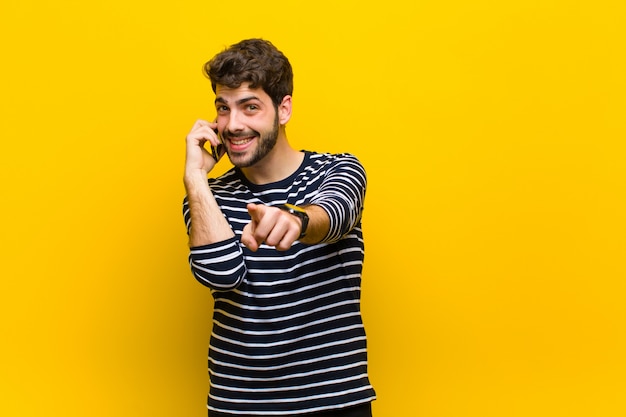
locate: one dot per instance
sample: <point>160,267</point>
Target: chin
<point>241,161</point>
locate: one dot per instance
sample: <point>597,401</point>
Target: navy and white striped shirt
<point>287,331</point>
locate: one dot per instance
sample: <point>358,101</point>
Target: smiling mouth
<point>238,141</point>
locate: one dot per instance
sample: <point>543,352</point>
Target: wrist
<point>300,213</point>
<point>195,174</point>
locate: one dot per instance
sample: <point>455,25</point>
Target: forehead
<point>226,94</point>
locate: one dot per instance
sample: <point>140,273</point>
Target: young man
<point>278,241</point>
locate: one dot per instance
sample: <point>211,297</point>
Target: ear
<point>284,110</point>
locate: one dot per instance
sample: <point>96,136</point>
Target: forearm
<point>207,223</point>
<point>319,225</point>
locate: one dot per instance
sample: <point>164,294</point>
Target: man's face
<point>248,122</point>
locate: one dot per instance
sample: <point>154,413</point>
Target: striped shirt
<point>287,332</point>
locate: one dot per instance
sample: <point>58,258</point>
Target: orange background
<point>493,136</point>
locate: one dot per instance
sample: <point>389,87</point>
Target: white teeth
<point>240,141</point>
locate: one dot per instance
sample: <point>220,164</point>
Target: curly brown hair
<point>255,61</point>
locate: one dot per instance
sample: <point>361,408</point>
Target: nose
<point>235,122</point>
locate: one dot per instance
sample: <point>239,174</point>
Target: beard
<point>266,143</point>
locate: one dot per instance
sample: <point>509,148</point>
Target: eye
<point>221,109</point>
<point>252,107</point>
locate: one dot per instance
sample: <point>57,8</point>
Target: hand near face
<point>197,156</point>
<point>271,225</point>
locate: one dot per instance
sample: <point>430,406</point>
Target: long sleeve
<point>219,266</point>
<point>342,194</point>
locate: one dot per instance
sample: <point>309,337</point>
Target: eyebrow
<point>238,102</point>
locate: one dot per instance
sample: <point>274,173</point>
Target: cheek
<point>221,122</point>
<point>259,126</point>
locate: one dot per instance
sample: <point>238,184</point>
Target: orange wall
<point>493,135</point>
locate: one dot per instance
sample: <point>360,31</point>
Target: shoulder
<point>228,179</point>
<point>331,159</point>
<point>229,185</point>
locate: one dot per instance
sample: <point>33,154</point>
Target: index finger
<point>203,129</point>
<point>255,211</point>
